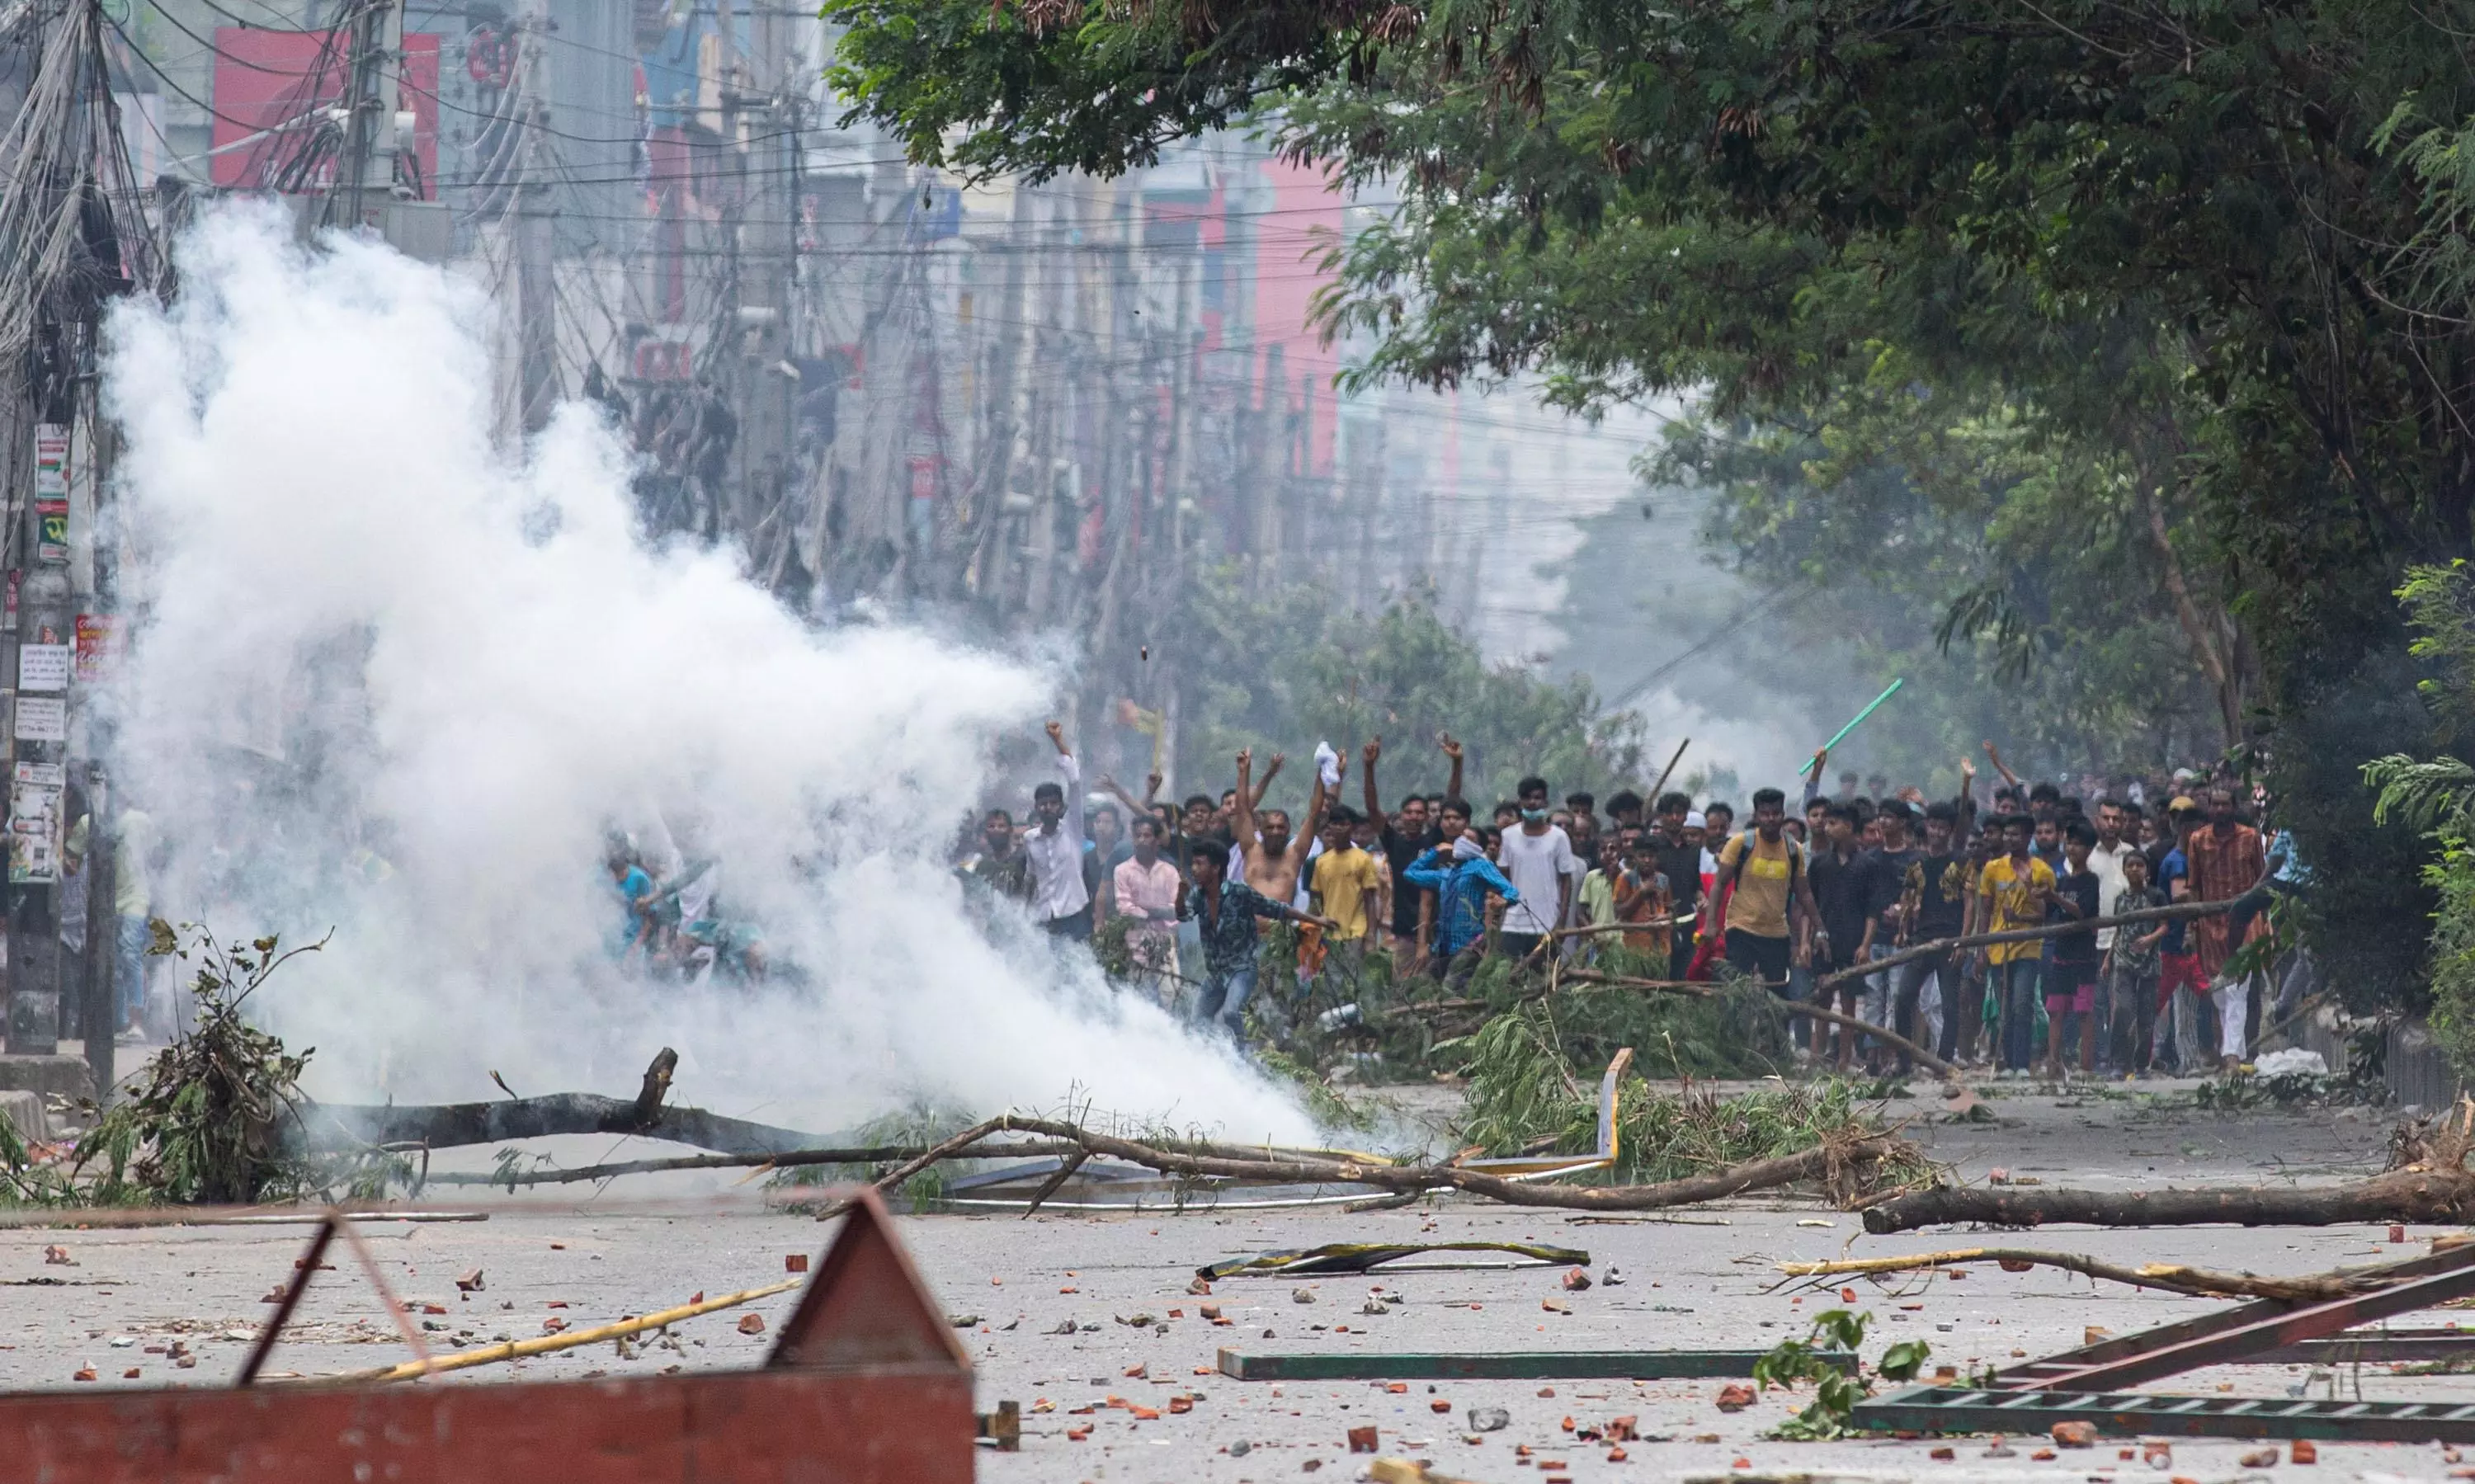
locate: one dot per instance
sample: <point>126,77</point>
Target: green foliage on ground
<point>216,1119</point>
<point>1527,1096</point>
<point>1836,1391</point>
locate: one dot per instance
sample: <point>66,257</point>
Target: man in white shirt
<point>2105,862</point>
<point>1538,859</point>
<point>1055,847</point>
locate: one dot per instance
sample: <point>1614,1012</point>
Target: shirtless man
<point>1273,861</point>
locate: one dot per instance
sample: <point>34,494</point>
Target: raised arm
<point>1071,772</point>
<point>1241,813</point>
<point>1967,800</point>
<point>1271,770</point>
<point>1453,750</point>
<point>1813,777</point>
<point>1994,755</point>
<point>1140,805</point>
<point>1318,805</point>
<point>1373,749</point>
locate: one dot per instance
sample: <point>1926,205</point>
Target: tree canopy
<point>2200,264</point>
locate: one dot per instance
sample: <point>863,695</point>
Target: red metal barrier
<point>866,1384</point>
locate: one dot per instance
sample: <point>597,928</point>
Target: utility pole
<point>536,223</point>
<point>766,118</point>
<point>366,176</point>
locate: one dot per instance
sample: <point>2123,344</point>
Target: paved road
<point>1700,1279</point>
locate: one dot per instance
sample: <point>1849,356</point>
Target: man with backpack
<point>1771,909</point>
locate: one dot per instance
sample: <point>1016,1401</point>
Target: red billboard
<point>269,88</point>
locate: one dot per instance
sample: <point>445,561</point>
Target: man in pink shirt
<point>1147,888</point>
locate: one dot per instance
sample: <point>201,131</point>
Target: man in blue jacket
<point>1460,875</point>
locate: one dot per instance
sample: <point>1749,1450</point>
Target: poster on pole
<point>98,646</point>
<point>44,666</point>
<point>42,718</point>
<point>51,531</point>
<point>35,791</point>
<point>51,461</point>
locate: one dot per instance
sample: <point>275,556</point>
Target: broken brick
<point>1439,1405</point>
<point>469,1283</point>
<point>1577,1279</point>
<point>751,1323</point>
<point>2074,1434</point>
<point>1944,1454</point>
<point>1361,1440</point>
<point>2260,1458</point>
<point>1181,1403</point>
<point>2303,1451</point>
<point>798,1262</point>
<point>1736,1396</point>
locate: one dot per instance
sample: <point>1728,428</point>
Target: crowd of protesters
<point>1800,899</point>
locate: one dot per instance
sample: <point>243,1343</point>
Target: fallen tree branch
<point>873,1154</point>
<point>2412,1195</point>
<point>453,1125</point>
<point>2432,1184</point>
<point>1831,1161</point>
<point>1918,1054</point>
<point>2171,1277</point>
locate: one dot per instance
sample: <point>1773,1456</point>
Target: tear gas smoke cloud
<point>363,634</point>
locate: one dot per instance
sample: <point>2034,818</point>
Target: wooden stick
<point>518,1349</point>
<point>2171,1276</point>
<point>1652,800</point>
<point>2180,909</point>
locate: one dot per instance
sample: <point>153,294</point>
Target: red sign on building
<point>270,88</point>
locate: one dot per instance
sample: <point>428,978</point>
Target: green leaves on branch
<point>1836,1391</point>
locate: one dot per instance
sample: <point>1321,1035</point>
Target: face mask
<point>1466,850</point>
<point>1533,815</point>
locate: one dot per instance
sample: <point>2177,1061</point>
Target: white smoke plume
<point>365,637</point>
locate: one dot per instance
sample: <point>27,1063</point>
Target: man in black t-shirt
<point>1680,861</point>
<point>1843,889</point>
<point>1404,840</point>
<point>1889,894</point>
<point>1933,899</point>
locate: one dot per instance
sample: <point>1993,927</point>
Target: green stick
<point>1861,715</point>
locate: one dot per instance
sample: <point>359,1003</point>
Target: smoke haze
<point>363,634</point>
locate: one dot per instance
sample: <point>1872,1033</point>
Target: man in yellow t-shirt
<point>1347,886</point>
<point>2013,891</point>
<point>1762,876</point>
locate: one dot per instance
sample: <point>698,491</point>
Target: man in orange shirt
<point>2226,858</point>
